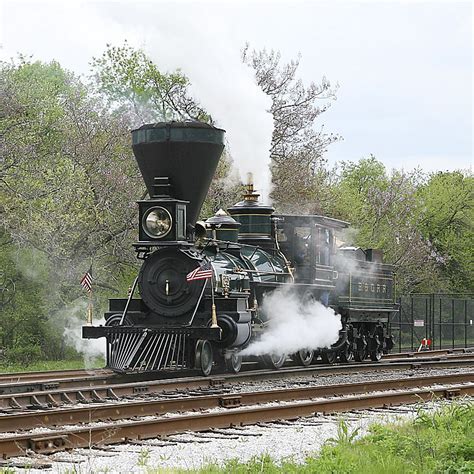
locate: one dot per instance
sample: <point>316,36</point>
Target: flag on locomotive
<point>199,274</point>
<point>86,280</point>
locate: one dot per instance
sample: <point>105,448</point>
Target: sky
<point>403,69</point>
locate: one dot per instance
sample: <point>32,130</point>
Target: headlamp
<point>157,222</point>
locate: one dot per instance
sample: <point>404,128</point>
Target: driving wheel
<point>274,361</point>
<point>329,357</point>
<point>304,357</point>
<point>233,363</point>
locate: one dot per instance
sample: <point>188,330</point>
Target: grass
<point>51,365</point>
<point>440,442</point>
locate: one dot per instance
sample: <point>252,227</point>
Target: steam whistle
<point>250,194</point>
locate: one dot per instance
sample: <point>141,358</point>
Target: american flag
<point>199,273</point>
<point>86,280</point>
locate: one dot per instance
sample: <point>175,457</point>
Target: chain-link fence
<point>443,321</point>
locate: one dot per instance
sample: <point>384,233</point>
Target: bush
<point>25,354</point>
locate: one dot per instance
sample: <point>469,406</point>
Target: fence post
<point>400,324</point>
<point>427,318</point>
<point>465,322</point>
<point>440,326</point>
<point>432,321</point>
<point>453,319</point>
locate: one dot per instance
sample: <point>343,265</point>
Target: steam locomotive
<point>202,283</point>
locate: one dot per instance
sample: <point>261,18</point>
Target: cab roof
<point>297,219</point>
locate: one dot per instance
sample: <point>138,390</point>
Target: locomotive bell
<point>200,230</point>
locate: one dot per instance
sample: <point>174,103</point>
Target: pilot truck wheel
<point>203,357</point>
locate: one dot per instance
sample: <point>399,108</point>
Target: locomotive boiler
<point>196,301</point>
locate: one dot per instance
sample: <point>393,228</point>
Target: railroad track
<point>97,388</point>
<point>102,379</point>
<point>99,373</point>
<point>430,353</point>
<point>221,410</point>
<point>46,375</point>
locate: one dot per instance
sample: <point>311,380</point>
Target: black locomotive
<point>183,320</point>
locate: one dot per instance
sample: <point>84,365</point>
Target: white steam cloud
<point>90,349</point>
<point>196,40</point>
<point>295,325</point>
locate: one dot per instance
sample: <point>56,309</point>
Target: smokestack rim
<point>197,132</point>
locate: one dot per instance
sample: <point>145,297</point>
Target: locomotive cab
<point>309,244</point>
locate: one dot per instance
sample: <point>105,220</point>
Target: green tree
<point>300,178</point>
<point>68,183</point>
<point>447,224</point>
<point>68,177</point>
<point>23,330</point>
<point>134,84</point>
<point>385,212</point>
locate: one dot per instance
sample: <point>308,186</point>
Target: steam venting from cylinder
<point>186,152</point>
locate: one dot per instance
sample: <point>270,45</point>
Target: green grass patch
<point>439,442</point>
<point>50,365</point>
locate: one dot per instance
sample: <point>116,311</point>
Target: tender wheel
<point>328,357</point>
<point>346,355</point>
<point>203,356</point>
<point>360,355</point>
<point>375,355</point>
<point>273,361</point>
<point>304,357</point>
<point>233,363</point>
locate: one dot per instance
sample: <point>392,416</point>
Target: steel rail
<point>50,393</point>
<point>127,409</point>
<point>39,376</point>
<point>35,381</point>
<point>50,374</point>
<point>120,432</point>
<point>430,353</point>
<point>107,377</point>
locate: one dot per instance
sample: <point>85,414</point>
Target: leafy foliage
<point>67,191</point>
<point>297,146</point>
<point>417,221</point>
<point>131,81</point>
<point>447,224</point>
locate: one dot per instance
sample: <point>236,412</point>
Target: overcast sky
<point>404,69</point>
